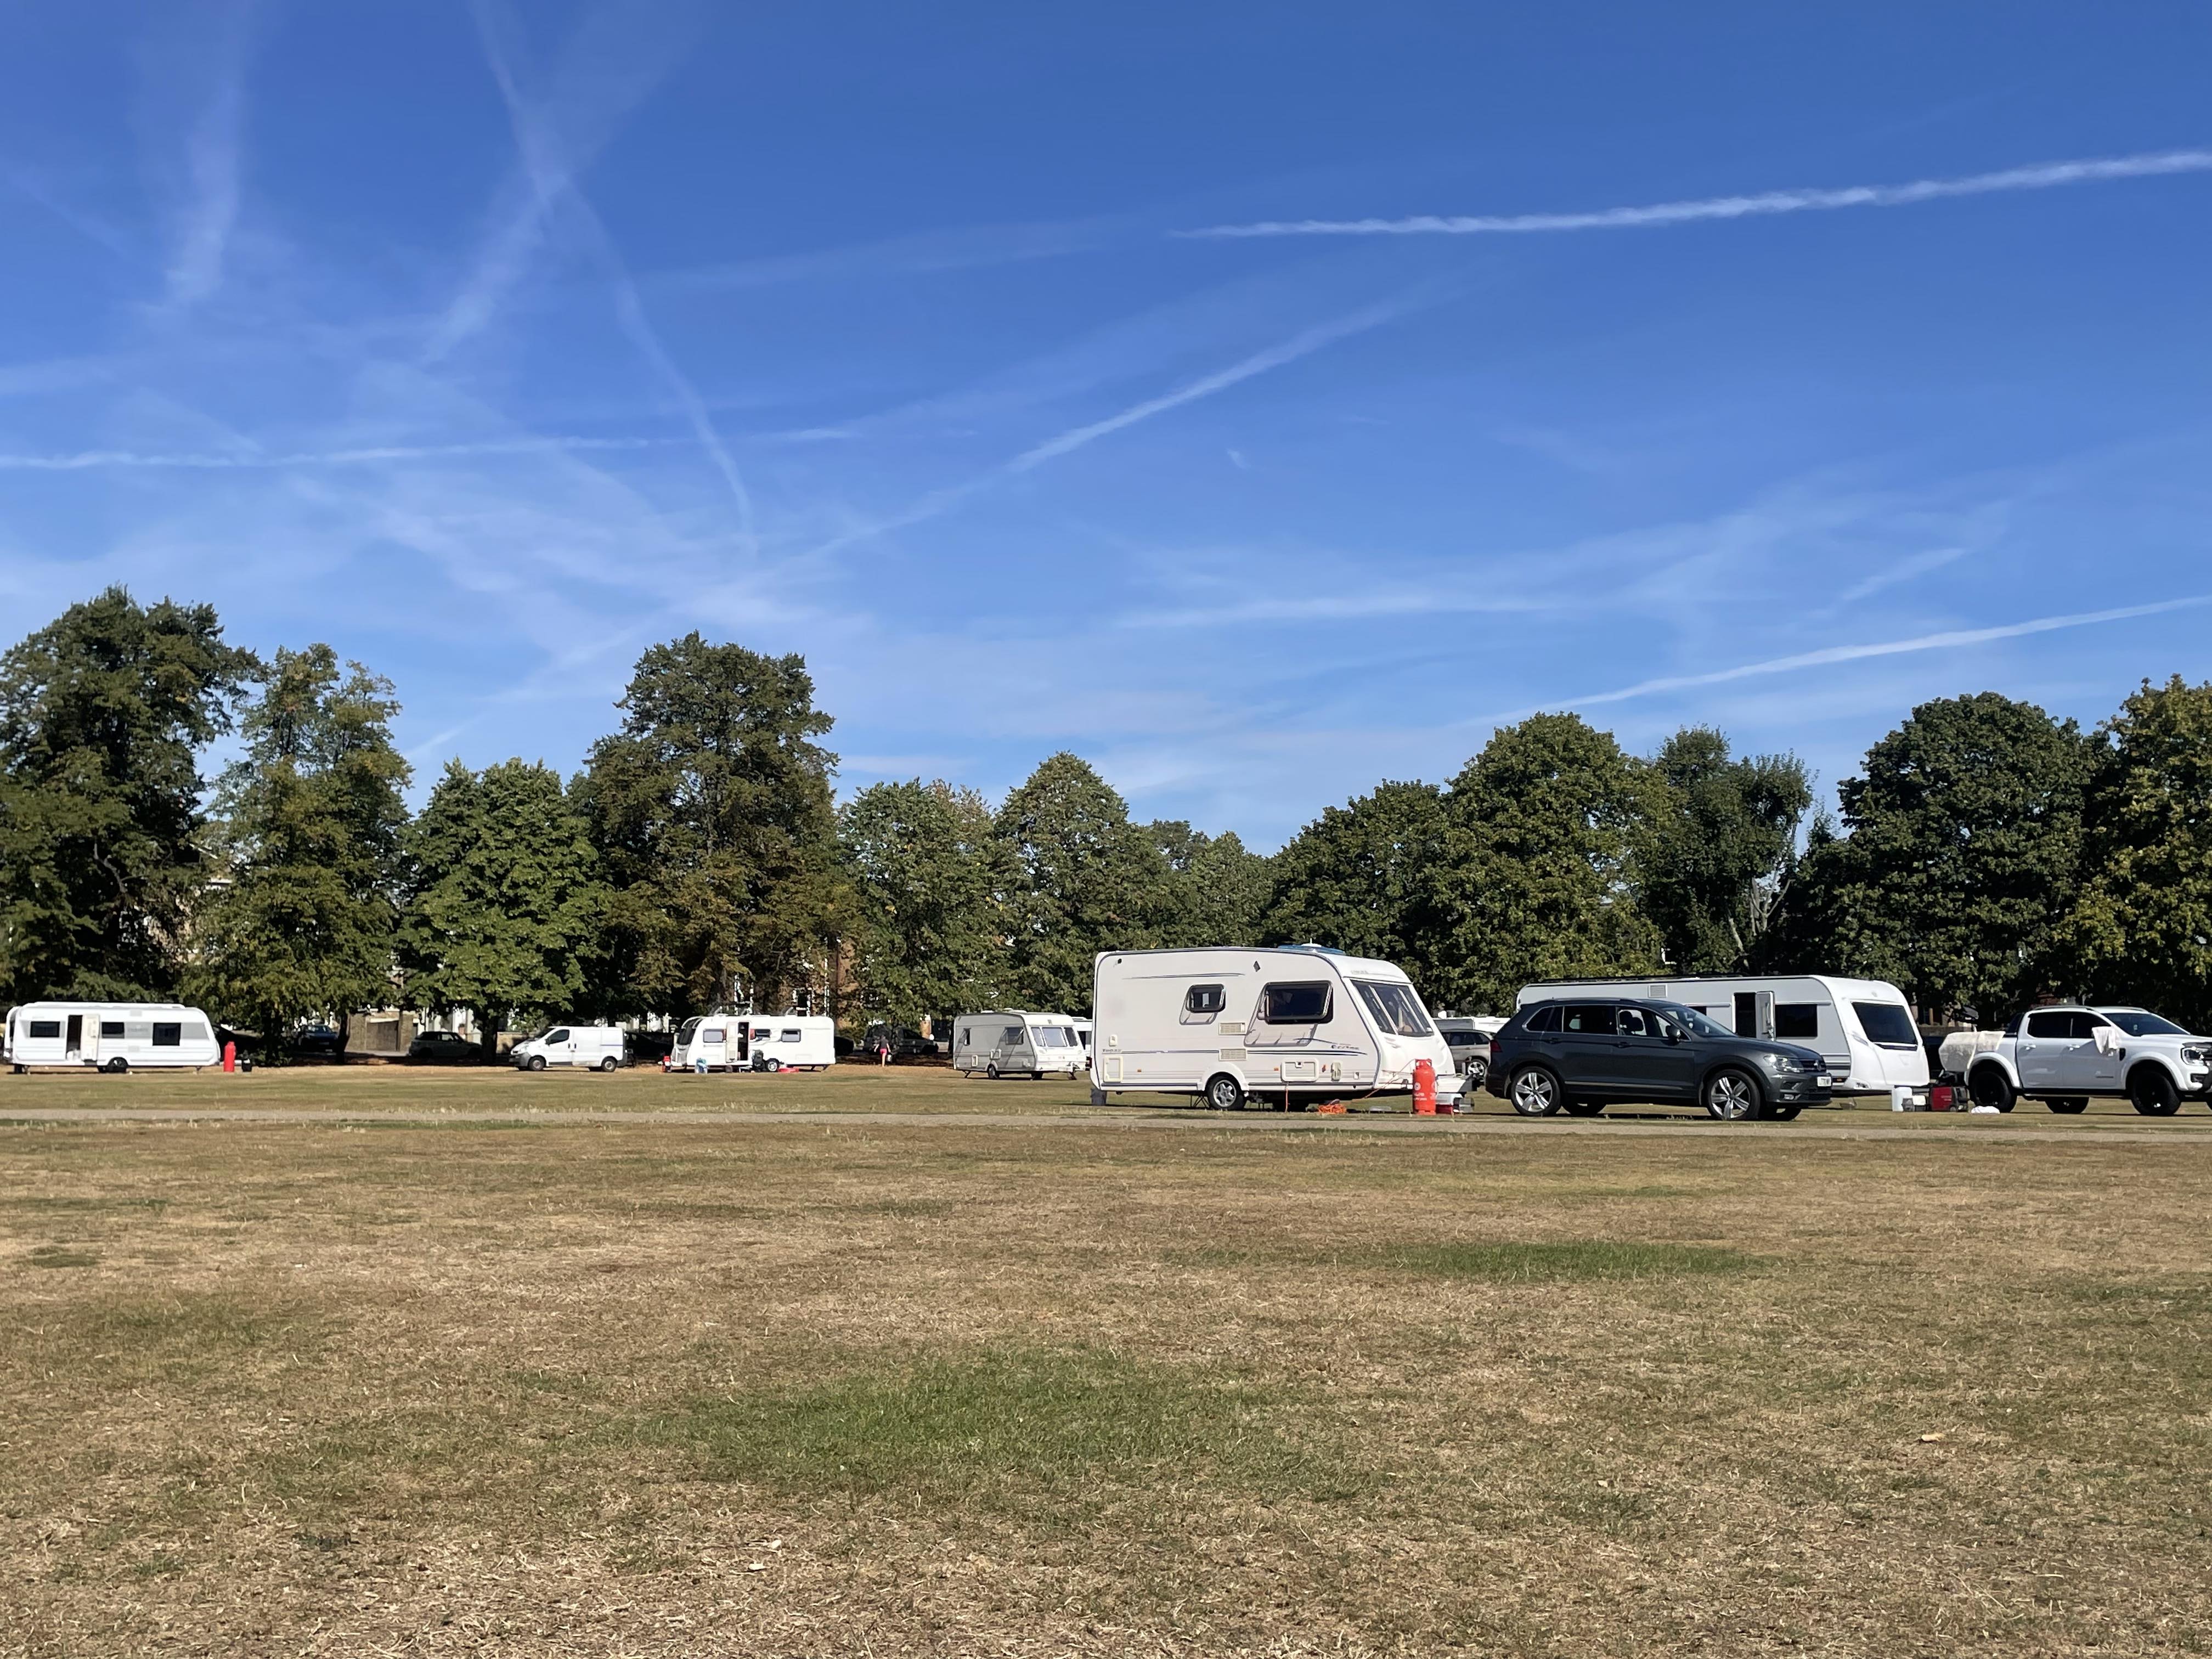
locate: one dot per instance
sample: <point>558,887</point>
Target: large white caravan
<point>1294,1025</point>
<point>110,1036</point>
<point>759,1043</point>
<point>1014,1042</point>
<point>1863,1028</point>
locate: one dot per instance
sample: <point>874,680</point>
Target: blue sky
<point>490,345</point>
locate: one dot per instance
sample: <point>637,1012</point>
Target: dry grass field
<point>521,1386</point>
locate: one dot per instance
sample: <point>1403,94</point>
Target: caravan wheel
<point>1225,1094</point>
<point>991,1071</point>
<point>117,1067</point>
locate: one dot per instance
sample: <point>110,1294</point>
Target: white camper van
<point>1297,1025</point>
<point>110,1036</point>
<point>1011,1042</point>
<point>760,1042</point>
<point>591,1048</point>
<point>1863,1028</point>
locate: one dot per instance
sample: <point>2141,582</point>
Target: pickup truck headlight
<point>2198,1053</point>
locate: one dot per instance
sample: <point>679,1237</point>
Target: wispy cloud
<point>94,459</point>
<point>212,161</point>
<point>2046,176</point>
<point>1905,570</point>
<point>1956,638</point>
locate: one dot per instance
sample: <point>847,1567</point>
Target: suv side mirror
<point>1674,1034</point>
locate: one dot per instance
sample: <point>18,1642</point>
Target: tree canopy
<point>1722,832</point>
<point>1085,879</point>
<point>928,882</point>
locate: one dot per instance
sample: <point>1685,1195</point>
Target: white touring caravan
<point>1292,1025</point>
<point>759,1043</point>
<point>591,1048</point>
<point>1011,1042</point>
<point>110,1036</point>
<point>1863,1028</point>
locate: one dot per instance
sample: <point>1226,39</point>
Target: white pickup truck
<point>2065,1056</point>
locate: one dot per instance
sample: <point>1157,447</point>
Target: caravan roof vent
<point>1318,949</point>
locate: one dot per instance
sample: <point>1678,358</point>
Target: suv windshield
<point>2135,1021</point>
<point>1395,1008</point>
<point>1695,1023</point>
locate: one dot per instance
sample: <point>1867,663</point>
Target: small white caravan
<point>1295,1025</point>
<point>110,1036</point>
<point>1863,1028</point>
<point>590,1047</point>
<point>760,1042</point>
<point>1011,1042</point>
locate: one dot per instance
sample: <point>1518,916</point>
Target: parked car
<point>1581,1056</point>
<point>443,1048</point>
<point>2066,1057</point>
<point>1468,1036</point>
<point>317,1043</point>
<point>587,1047</point>
<point>905,1042</point>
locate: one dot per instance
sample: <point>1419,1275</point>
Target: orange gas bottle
<point>1425,1088</point>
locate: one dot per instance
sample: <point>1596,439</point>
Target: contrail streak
<point>2046,176</point>
<point>1839,653</point>
<point>91,460</point>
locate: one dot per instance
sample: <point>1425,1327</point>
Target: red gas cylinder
<point>230,1056</point>
<point>1425,1088</point>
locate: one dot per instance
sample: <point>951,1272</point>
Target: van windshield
<point>1395,1008</point>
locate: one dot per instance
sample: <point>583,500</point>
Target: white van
<point>1297,1025</point>
<point>760,1042</point>
<point>593,1048</point>
<point>1863,1028</point>
<point>1012,1042</point>
<point>110,1036</point>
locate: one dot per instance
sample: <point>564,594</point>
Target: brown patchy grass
<point>808,1389</point>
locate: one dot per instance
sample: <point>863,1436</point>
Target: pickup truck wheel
<point>1584,1108</point>
<point>1535,1092</point>
<point>1731,1096</point>
<point>2153,1092</point>
<point>1224,1094</point>
<point>2070,1107</point>
<point>1991,1087</point>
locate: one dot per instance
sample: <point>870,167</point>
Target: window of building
<point>1206,999</point>
<point>1796,1020</point>
<point>1308,1003</point>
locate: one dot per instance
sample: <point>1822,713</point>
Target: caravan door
<point>73,1049</point>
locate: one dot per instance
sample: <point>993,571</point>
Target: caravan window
<point>794,1034</point>
<point>1395,1008</point>
<point>1055,1036</point>
<point>1205,999</point>
<point>49,1028</point>
<point>111,1028</point>
<point>168,1034</point>
<point>712,1034</point>
<point>1887,1026</point>
<point>1013,1035</point>
<point>1306,1004</point>
<point>1796,1020</point>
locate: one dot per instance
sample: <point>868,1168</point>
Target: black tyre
<point>1584,1108</point>
<point>1535,1092</point>
<point>117,1067</point>
<point>2153,1092</point>
<point>2071,1107</point>
<point>608,1064</point>
<point>1731,1095</point>
<point>538,1062</point>
<point>991,1071</point>
<point>1991,1087</point>
<point>1224,1094</point>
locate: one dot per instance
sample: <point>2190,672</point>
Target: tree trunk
<point>490,1027</point>
<point>345,1033</point>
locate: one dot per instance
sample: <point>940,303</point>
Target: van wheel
<point>1991,1087</point>
<point>2153,1092</point>
<point>1535,1092</point>
<point>1225,1094</point>
<point>2070,1107</point>
<point>608,1064</point>
<point>538,1062</point>
<point>117,1067</point>
<point>1731,1096</point>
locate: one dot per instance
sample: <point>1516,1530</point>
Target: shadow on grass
<point>1001,1424</point>
<point>1509,1263</point>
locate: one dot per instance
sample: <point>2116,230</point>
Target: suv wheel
<point>1535,1092</point>
<point>1225,1094</point>
<point>2153,1092</point>
<point>1991,1087</point>
<point>1731,1096</point>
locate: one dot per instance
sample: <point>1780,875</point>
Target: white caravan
<point>1011,1042</point>
<point>110,1036</point>
<point>593,1047</point>
<point>760,1042</point>
<point>1295,1025</point>
<point>1863,1028</point>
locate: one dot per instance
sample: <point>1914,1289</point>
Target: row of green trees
<point>1985,853</point>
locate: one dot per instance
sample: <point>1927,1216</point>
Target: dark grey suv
<point>1579,1057</point>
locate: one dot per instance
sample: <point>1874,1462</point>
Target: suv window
<point>2056,1022</point>
<point>1205,999</point>
<point>1308,1003</point>
<point>1587,1019</point>
<point>1630,1022</point>
<point>1544,1019</point>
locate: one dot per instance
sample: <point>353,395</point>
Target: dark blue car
<point>1579,1057</point>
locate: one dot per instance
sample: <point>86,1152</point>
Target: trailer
<point>110,1036</point>
<point>1018,1042</point>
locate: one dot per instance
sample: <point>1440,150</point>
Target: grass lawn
<point>552,1388</point>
